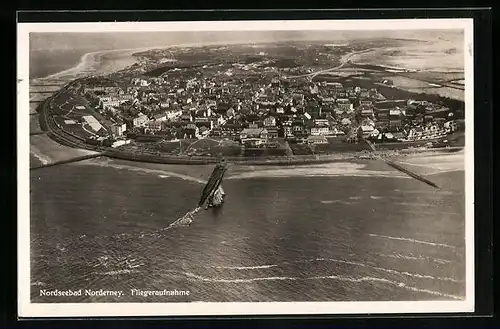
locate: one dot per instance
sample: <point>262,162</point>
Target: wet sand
<point>421,164</point>
<point>48,151</point>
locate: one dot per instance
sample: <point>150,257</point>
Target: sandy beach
<point>428,165</point>
<point>95,63</point>
<point>42,147</point>
<point>447,55</point>
<point>47,151</point>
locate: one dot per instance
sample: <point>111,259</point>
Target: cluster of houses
<point>256,109</point>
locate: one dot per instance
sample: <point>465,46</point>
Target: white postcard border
<point>28,309</point>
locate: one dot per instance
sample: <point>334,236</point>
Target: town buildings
<point>258,107</point>
<point>118,129</point>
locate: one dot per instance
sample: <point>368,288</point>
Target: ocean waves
<point>194,277</point>
<point>435,244</point>
<point>304,271</point>
<point>269,273</point>
<point>109,227</point>
<point>159,172</point>
<point>43,158</point>
<point>348,262</point>
<point>115,264</point>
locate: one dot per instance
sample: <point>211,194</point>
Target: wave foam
<point>38,284</point>
<point>336,201</point>
<point>382,269</point>
<point>404,273</point>
<point>159,172</point>
<point>43,158</point>
<point>413,240</point>
<point>257,267</point>
<point>418,258</point>
<point>119,272</point>
<point>193,276</point>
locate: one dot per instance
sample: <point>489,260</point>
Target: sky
<point>120,40</point>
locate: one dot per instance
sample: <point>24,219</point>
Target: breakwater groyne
<point>75,159</point>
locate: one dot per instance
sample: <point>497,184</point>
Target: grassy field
<point>64,105</point>
<point>337,145</point>
<point>301,149</point>
<point>73,128</point>
<point>264,152</point>
<point>213,147</point>
<point>168,147</point>
<point>193,147</point>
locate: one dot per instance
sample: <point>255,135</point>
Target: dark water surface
<point>47,62</point>
<point>275,239</point>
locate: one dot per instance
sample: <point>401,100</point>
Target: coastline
<point>43,148</point>
<point>91,61</point>
<point>291,160</point>
<point>425,164</point>
<point>47,151</point>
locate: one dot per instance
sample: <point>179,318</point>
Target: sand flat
<point>45,148</point>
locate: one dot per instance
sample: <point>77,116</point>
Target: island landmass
<point>279,103</point>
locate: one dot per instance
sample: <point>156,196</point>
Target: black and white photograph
<point>245,167</point>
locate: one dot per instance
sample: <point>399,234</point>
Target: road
<point>343,61</point>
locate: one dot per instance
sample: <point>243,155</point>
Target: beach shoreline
<point>428,165</point>
<point>91,59</point>
<point>51,151</point>
<point>45,149</point>
<point>88,62</point>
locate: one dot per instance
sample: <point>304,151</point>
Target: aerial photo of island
<point>344,166</point>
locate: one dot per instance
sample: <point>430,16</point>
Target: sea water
<point>274,239</point>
